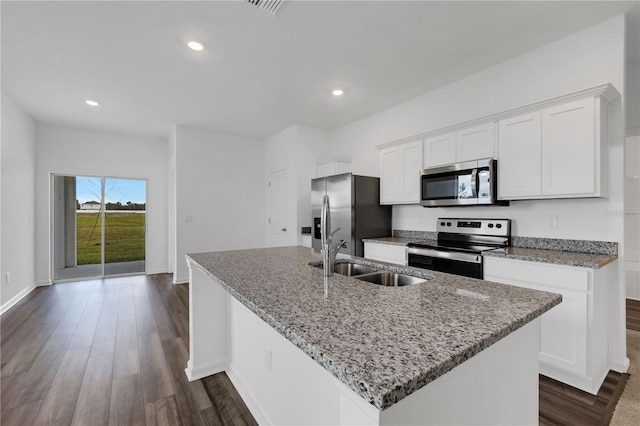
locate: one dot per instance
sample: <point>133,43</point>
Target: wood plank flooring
<point>107,352</point>
<point>113,352</point>
<point>633,314</point>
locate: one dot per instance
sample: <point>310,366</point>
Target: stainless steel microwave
<point>464,184</point>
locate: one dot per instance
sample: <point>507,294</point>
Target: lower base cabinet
<point>573,335</point>
<point>390,253</point>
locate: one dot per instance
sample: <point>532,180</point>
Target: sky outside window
<point>116,190</point>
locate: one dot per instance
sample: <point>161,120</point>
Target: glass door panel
<point>124,226</point>
<point>77,227</point>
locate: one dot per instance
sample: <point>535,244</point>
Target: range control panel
<point>497,227</point>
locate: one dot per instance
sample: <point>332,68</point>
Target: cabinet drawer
<point>524,273</point>
<point>386,253</point>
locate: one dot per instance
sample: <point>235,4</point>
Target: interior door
<point>278,232</point>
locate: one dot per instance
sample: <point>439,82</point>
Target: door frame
<point>52,175</point>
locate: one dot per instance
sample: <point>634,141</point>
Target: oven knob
<point>491,225</point>
<point>448,223</point>
<point>498,226</point>
<point>441,223</point>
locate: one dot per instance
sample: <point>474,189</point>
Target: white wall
<point>295,149</point>
<point>280,154</point>
<point>171,202</point>
<point>312,144</point>
<point>632,216</point>
<point>584,59</point>
<point>17,147</point>
<point>64,150</point>
<point>220,200</point>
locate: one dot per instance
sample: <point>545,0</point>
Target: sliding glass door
<point>99,226</point>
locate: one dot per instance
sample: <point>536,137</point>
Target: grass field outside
<point>124,237</point>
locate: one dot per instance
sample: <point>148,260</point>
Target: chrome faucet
<point>329,252</point>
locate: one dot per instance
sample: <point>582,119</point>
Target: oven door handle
<point>452,255</point>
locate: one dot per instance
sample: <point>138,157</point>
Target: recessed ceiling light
<point>338,92</point>
<point>92,103</point>
<point>194,45</point>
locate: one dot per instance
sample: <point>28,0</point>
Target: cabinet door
<point>439,150</point>
<point>563,331</point>
<point>519,157</point>
<point>386,253</point>
<point>475,143</point>
<point>390,175</point>
<point>568,149</point>
<point>411,166</point>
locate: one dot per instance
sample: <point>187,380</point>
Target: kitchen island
<point>449,350</point>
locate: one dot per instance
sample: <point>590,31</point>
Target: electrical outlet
<point>8,277</point>
<point>552,222</point>
<point>267,360</point>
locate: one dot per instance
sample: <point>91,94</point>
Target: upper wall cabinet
<point>557,152</point>
<point>473,143</point>
<point>555,148</point>
<point>332,168</point>
<point>400,173</point>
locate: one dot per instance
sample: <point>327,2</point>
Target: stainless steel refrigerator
<point>355,209</point>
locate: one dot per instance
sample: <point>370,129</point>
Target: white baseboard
<point>44,283</point>
<point>204,371</point>
<point>620,366</point>
<point>181,280</point>
<point>15,299</point>
<point>157,271</point>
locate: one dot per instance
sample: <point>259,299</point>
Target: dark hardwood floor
<point>633,314</point>
<point>108,352</point>
<point>113,352</point>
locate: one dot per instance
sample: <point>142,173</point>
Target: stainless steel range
<point>459,245</point>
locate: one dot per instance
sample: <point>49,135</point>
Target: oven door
<point>455,185</point>
<point>451,262</point>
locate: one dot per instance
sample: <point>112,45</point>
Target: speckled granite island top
<point>382,342</point>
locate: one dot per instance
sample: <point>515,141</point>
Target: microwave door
<point>449,188</point>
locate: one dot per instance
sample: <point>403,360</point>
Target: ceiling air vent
<point>270,6</point>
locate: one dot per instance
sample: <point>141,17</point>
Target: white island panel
<point>282,385</point>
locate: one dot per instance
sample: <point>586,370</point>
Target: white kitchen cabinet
<point>469,144</point>
<point>332,168</point>
<point>386,252</point>
<point>439,150</point>
<point>556,152</point>
<point>570,155</point>
<point>519,156</point>
<point>573,335</point>
<point>400,167</point>
<point>475,143</point>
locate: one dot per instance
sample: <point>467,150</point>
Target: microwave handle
<point>474,183</point>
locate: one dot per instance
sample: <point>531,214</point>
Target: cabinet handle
<point>284,229</point>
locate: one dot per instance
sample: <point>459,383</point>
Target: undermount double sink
<point>372,275</point>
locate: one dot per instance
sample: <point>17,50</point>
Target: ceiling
<point>261,73</point>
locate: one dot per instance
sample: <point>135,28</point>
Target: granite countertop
<point>570,258</point>
<point>382,342</point>
<point>587,254</point>
<point>396,241</point>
